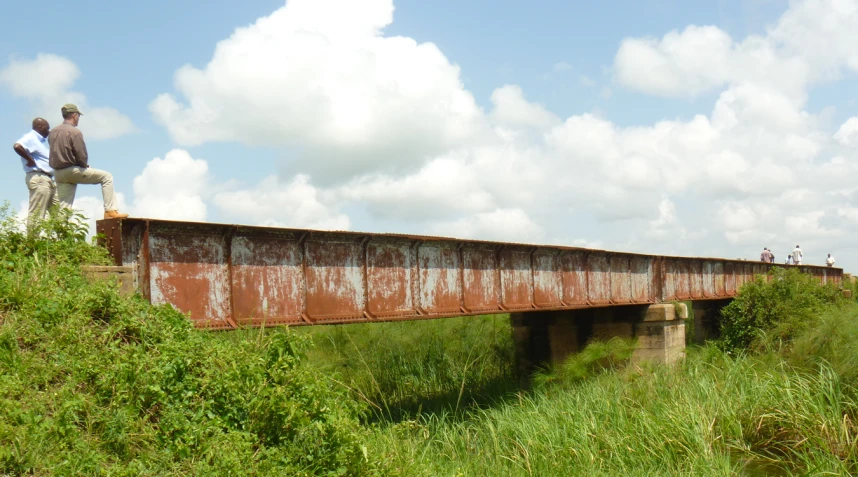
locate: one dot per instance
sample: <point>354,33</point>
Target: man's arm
<point>79,148</point>
<point>24,154</point>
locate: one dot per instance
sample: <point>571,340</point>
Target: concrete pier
<point>551,336</point>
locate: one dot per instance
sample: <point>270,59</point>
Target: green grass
<point>713,415</point>
<point>407,368</point>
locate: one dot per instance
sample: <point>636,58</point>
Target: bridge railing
<point>225,276</point>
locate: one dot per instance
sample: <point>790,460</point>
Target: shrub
<point>775,308</point>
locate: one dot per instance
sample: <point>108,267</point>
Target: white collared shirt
<point>37,146</point>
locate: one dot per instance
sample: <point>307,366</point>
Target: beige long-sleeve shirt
<point>67,147</point>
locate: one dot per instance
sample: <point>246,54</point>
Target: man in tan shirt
<point>70,162</point>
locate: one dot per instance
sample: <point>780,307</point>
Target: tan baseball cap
<point>70,108</point>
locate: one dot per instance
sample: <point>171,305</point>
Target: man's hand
<point>24,154</point>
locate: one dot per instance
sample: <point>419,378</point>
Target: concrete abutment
<point>551,336</point>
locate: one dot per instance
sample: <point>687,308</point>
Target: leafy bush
<point>93,382</point>
<point>775,309</point>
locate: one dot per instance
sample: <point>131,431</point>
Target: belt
<point>39,171</point>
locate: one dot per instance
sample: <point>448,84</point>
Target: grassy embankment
<point>91,382</point>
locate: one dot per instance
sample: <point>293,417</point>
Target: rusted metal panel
<point>547,279</point>
<point>481,278</point>
<point>695,275</point>
<point>680,282</point>
<point>599,279</point>
<point>267,280</point>
<point>708,279</point>
<point>641,270</point>
<point>516,278</point>
<point>225,276</point>
<point>388,271</point>
<point>719,278</point>
<point>730,283</point>
<point>439,278</point>
<point>669,279</point>
<point>574,274</point>
<point>189,271</point>
<point>750,276</point>
<point>335,277</point>
<point>621,279</point>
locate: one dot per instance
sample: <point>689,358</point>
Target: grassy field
<point>93,383</point>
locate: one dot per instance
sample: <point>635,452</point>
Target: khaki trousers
<point>43,194</point>
<point>69,177</point>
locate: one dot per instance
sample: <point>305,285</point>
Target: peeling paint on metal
<point>480,277</point>
<point>224,275</point>
<point>598,279</point>
<point>516,278</point>
<point>439,277</point>
<point>547,278</point>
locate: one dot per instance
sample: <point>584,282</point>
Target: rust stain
<point>389,278</point>
<point>621,279</point>
<point>268,283</point>
<point>516,278</point>
<point>599,279</point>
<point>335,287</point>
<point>439,273</point>
<point>480,278</point>
<point>574,275</point>
<point>547,278</point>
<point>641,270</point>
<point>190,272</point>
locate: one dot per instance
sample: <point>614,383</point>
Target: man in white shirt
<point>796,255</point>
<point>34,151</point>
<point>829,261</point>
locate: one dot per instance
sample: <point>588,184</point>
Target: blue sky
<point>652,191</point>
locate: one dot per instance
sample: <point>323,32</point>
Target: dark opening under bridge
<point>227,276</point>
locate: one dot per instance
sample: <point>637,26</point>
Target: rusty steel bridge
<point>227,276</point>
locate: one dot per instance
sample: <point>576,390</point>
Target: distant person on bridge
<point>829,261</point>
<point>796,255</point>
<point>39,176</point>
<point>69,159</point>
<point>766,256</point>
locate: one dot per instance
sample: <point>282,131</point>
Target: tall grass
<point>404,369</point>
<point>714,415</point>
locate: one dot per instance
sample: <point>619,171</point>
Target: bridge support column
<point>707,314</point>
<point>544,336</point>
<point>660,335</point>
<point>551,336</point>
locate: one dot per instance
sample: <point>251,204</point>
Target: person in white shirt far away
<point>796,255</point>
<point>829,261</point>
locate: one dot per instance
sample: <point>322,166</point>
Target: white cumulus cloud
<point>172,188</point>
<point>47,81</point>
<point>331,85</point>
